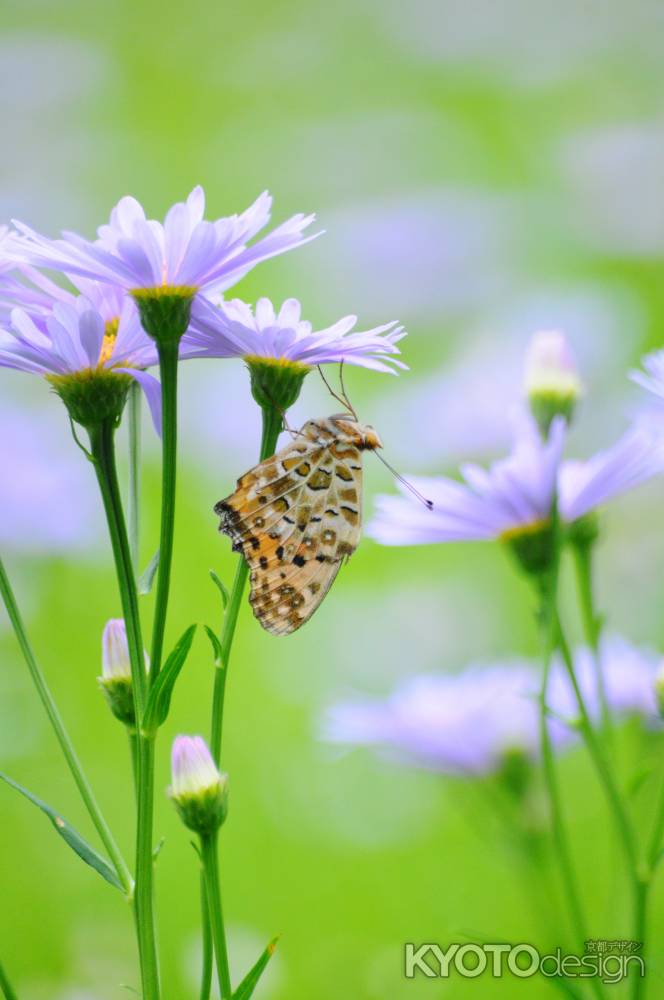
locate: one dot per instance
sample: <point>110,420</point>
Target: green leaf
<point>70,836</point>
<point>146,578</point>
<point>637,780</point>
<point>159,700</point>
<point>216,647</point>
<point>250,981</point>
<point>223,589</point>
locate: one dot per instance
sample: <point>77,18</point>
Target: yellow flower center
<point>108,343</point>
<point>162,291</point>
<point>524,530</point>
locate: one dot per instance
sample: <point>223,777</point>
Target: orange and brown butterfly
<point>297,516</point>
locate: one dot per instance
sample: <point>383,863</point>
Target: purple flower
<point>636,457</point>
<point>183,252</point>
<point>470,722</point>
<point>232,330</point>
<point>77,337</point>
<point>652,378</point>
<point>38,464</point>
<point>515,493</point>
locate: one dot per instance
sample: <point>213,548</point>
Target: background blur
<point>482,169</point>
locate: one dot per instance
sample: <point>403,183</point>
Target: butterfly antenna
<point>340,399</point>
<point>404,482</point>
<point>343,390</point>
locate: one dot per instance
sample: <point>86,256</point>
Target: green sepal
<point>246,988</point>
<point>204,811</point>
<point>216,647</point>
<point>71,836</point>
<point>119,695</point>
<point>534,547</point>
<point>223,589</point>
<point>546,406</point>
<point>159,700</point>
<point>165,311</point>
<point>584,532</point>
<point>275,383</point>
<point>94,395</point>
<point>146,578</point>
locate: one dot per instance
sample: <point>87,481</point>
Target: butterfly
<point>297,516</point>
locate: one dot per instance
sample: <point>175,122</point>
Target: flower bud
<point>551,380</point>
<point>115,680</point>
<point>199,790</point>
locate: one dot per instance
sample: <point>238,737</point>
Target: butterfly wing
<point>295,518</point>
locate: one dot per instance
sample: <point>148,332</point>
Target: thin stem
<point>134,505</point>
<point>592,625</point>
<point>102,445</point>
<point>61,734</point>
<point>623,824</point>
<point>655,842</point>
<point>8,991</point>
<point>206,970</point>
<point>547,619</point>
<point>103,452</point>
<point>168,367</point>
<point>272,424</point>
<point>211,873</point>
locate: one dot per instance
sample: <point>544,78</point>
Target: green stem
<point>103,453</point>
<point>206,970</point>
<point>168,368</point>
<point>6,987</point>
<point>564,854</point>
<point>272,424</point>
<point>655,842</point>
<point>592,625</point>
<point>211,873</point>
<point>617,808</point>
<point>61,734</point>
<point>134,505</point>
<point>102,446</point>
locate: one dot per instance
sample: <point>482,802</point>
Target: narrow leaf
<point>216,646</point>
<point>159,701</point>
<point>223,589</point>
<point>70,835</point>
<point>146,578</point>
<point>249,983</point>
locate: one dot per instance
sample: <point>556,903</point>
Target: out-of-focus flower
<point>652,378</point>
<point>233,330</point>
<point>551,380</point>
<point>199,790</point>
<point>39,464</point>
<point>473,722</point>
<point>88,360</point>
<point>636,457</point>
<point>515,495</point>
<point>116,680</point>
<point>185,252</point>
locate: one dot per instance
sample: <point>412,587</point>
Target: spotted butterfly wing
<point>297,516</point>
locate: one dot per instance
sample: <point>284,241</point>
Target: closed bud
<point>199,789</point>
<point>115,680</point>
<point>551,380</point>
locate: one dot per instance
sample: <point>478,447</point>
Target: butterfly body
<point>297,516</point>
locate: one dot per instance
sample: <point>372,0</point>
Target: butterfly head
<point>363,436</point>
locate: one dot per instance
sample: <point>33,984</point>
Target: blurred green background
<point>481,169</point>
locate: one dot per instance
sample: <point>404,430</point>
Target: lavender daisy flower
<point>584,486</point>
<point>75,344</point>
<point>652,378</point>
<point>473,722</point>
<point>185,253</point>
<point>514,496</point>
<point>233,329</point>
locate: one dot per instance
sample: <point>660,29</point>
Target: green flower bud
<point>199,790</point>
<point>551,381</point>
